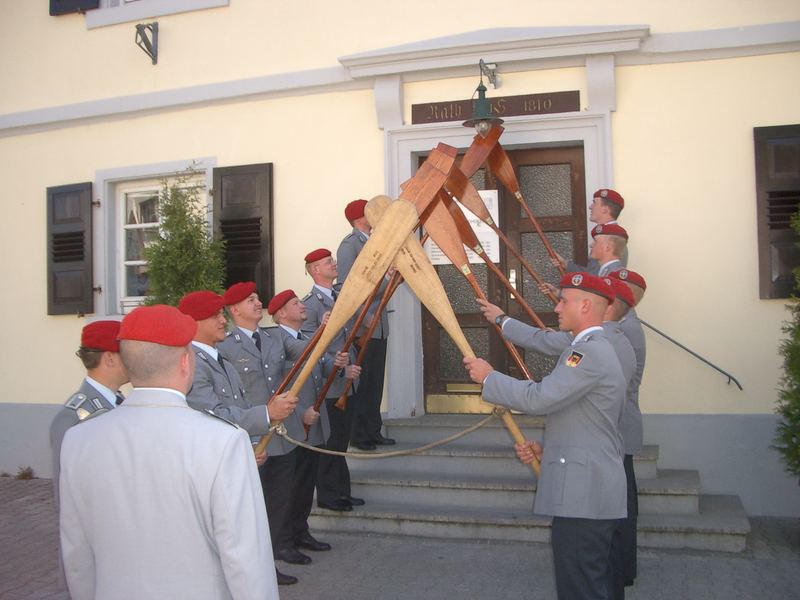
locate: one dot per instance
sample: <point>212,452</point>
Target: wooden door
<point>552,182</point>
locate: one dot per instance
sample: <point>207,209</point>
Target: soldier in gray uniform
<point>218,388</point>
<point>367,421</point>
<point>333,480</point>
<point>631,327</point>
<point>583,480</point>
<point>99,392</point>
<point>157,500</point>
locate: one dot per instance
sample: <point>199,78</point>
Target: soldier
<point>218,388</point>
<point>367,421</point>
<point>158,501</point>
<point>583,480</point>
<point>333,482</point>
<point>99,392</point>
<point>631,326</point>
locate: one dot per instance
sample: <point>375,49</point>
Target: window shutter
<point>69,249</point>
<point>777,151</point>
<point>63,7</point>
<point>243,218</point>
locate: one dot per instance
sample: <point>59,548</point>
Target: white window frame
<point>109,239</point>
<point>113,12</point>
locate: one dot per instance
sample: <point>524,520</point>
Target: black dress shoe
<point>309,542</point>
<point>292,556</point>
<point>338,505</point>
<point>352,501</point>
<point>383,441</point>
<point>364,445</point>
<point>284,579</point>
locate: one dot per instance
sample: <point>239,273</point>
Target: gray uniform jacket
<point>631,327</point>
<point>317,304</point>
<point>262,373</point>
<point>222,393</point>
<point>554,343</point>
<point>161,501</point>
<point>346,255</point>
<point>582,472</point>
<point>66,418</point>
<point>321,430</point>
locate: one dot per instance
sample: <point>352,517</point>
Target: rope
<point>280,430</point>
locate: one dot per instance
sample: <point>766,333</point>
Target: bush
<point>184,257</point>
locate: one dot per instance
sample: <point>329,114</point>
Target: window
<point>111,12</point>
<point>777,154</point>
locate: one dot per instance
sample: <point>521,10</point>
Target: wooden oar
<point>501,166</point>
<point>420,275</point>
<point>470,240</point>
<point>463,190</point>
<point>377,254</point>
<point>479,150</point>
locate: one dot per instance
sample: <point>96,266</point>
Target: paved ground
<point>366,567</point>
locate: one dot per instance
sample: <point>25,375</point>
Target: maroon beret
<point>610,195</point>
<point>355,210</point>
<point>622,291</point>
<point>160,324</point>
<point>609,229</point>
<point>201,305</point>
<point>238,292</point>
<point>317,254</point>
<point>279,300</point>
<point>588,283</point>
<point>629,277</point>
<point>101,335</point>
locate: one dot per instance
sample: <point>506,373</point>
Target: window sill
<point>146,9</point>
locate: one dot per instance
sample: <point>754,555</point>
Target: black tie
<point>299,336</point>
<point>335,295</point>
<point>221,364</point>
<point>120,398</point>
<point>257,340</point>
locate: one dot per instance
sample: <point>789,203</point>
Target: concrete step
<point>673,491</point>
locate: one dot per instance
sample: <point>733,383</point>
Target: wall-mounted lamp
<point>482,118</point>
<point>148,44</point>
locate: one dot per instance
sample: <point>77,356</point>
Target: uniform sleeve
<point>565,385</point>
<point>241,530</point>
<point>345,257</point>
<point>551,343</point>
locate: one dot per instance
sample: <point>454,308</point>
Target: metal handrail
<point>695,354</point>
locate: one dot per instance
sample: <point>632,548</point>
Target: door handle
<point>512,279</point>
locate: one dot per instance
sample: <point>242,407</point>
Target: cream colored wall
<point>66,63</point>
<point>683,156</point>
<point>320,164</point>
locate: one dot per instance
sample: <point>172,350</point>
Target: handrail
<point>695,354</point>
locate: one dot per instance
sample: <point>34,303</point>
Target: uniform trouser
<point>582,558</point>
<point>277,480</point>
<point>304,481</point>
<point>333,479</point>
<point>367,422</point>
<point>628,526</point>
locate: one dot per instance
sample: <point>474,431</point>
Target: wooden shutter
<point>777,152</point>
<point>69,249</point>
<point>243,218</point>
<point>63,7</point>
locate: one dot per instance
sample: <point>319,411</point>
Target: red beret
<point>355,210</point>
<point>279,300</point>
<point>317,254</point>
<point>101,335</point>
<point>622,291</point>
<point>160,324</point>
<point>629,277</point>
<point>610,195</point>
<point>588,283</point>
<point>609,229</point>
<point>201,305</point>
<point>238,292</point>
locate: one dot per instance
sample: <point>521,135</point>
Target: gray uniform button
<point>562,460</point>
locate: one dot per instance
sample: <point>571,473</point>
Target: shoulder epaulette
<point>85,407</point>
<point>211,413</point>
<point>306,297</point>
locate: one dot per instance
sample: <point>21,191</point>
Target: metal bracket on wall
<point>148,44</point>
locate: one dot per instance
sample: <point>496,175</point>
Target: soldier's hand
<point>310,416</point>
<point>529,450</point>
<point>548,288</point>
<point>352,371</point>
<point>281,406</point>
<point>489,310</point>
<point>341,360</point>
<point>478,369</point>
<point>558,261</point>
<point>261,457</point>
<point>325,317</point>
